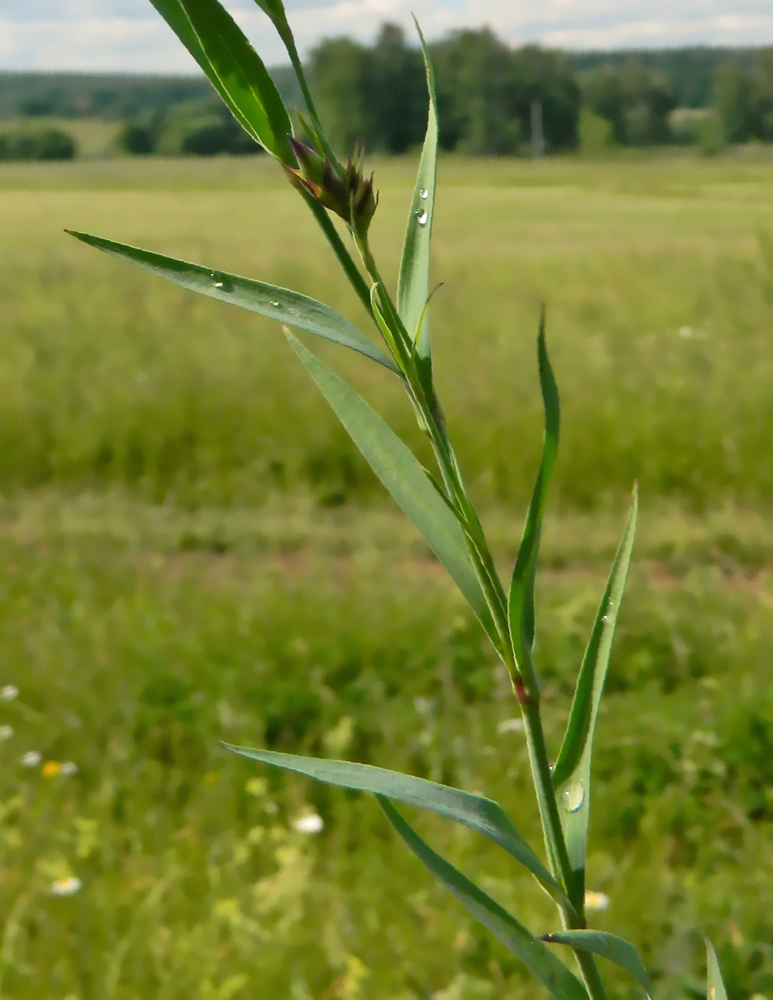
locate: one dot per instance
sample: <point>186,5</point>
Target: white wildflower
<point>31,759</point>
<point>596,901</point>
<point>69,767</point>
<point>66,886</point>
<point>310,823</point>
<point>424,706</point>
<point>510,726</point>
<point>6,732</point>
<point>9,692</point>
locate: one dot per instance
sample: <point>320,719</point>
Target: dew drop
<point>220,281</point>
<point>424,194</point>
<point>572,795</point>
<point>605,618</point>
<point>421,218</point>
<point>275,303</point>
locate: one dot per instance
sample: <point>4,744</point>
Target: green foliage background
<point>192,550</point>
<point>376,94</point>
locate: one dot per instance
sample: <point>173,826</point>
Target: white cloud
<point>108,44</point>
<point>128,35</point>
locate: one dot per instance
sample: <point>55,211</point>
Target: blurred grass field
<point>193,551</point>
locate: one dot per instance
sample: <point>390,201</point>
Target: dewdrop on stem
<point>572,795</point>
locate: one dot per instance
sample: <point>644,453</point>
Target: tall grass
<point>660,295</point>
<point>139,636</point>
<point>134,860</point>
<point>437,501</point>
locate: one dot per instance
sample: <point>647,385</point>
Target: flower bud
<point>342,190</point>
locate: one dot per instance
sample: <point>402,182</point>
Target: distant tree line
<point>744,99</point>
<point>487,93</point>
<point>492,98</point>
<point>111,96</point>
<point>37,144</point>
<point>690,72</point>
<point>205,128</point>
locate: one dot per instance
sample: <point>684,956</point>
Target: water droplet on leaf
<point>275,303</point>
<point>424,194</point>
<point>421,218</point>
<point>572,795</point>
<point>220,281</point>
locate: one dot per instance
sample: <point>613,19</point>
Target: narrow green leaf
<point>413,283</point>
<point>276,12</point>
<point>424,318</point>
<point>378,302</point>
<point>561,983</point>
<point>402,474</point>
<point>256,296</point>
<point>571,775</point>
<point>441,492</point>
<point>475,811</point>
<point>274,9</point>
<point>234,69</point>
<point>339,248</point>
<point>613,948</point>
<point>521,599</point>
<point>716,986</point>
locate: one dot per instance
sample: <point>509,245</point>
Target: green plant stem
<point>449,467</point>
<point>295,59</point>
<point>555,844</point>
<point>524,677</point>
<point>591,975</point>
<point>345,259</point>
<point>546,799</point>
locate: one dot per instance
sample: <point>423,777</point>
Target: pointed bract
<point>342,190</point>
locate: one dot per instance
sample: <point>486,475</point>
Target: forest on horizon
<point>487,90</point>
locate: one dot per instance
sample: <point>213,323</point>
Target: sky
<point>129,36</point>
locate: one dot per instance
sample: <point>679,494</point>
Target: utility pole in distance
<point>537,133</point>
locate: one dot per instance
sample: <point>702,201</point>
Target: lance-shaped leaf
<point>613,948</point>
<point>474,811</point>
<point>716,987</point>
<point>560,981</point>
<point>402,474</point>
<point>234,69</point>
<point>413,283</point>
<point>571,775</point>
<point>521,600</point>
<point>267,300</point>
<point>276,12</point>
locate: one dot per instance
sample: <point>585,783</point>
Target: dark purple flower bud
<point>342,190</point>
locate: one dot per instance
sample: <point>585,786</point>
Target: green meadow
<point>191,551</point>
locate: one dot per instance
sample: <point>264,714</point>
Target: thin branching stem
<point>525,682</point>
<point>341,251</point>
